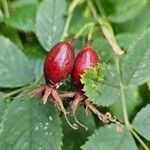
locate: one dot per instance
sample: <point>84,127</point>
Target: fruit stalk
<point>106,29</point>
<point>69,16</point>
<point>5,7</point>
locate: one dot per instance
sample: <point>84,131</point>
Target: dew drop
<point>50,118</point>
<point>36,128</point>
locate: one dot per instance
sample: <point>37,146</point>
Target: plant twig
<point>69,17</point>
<point>106,31</point>
<point>16,91</point>
<point>99,5</point>
<point>124,107</point>
<point>10,94</point>
<point>5,7</point>
<point>139,139</point>
<point>111,40</point>
<point>94,13</point>
<point>83,29</point>
<point>90,32</point>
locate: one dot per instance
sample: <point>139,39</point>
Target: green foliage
<point>137,24</point>
<point>11,34</point>
<point>1,15</point>
<point>133,101</point>
<point>36,56</point>
<point>135,71</point>
<point>50,22</point>
<point>104,49</point>
<point>77,22</point>
<point>15,68</point>
<point>141,122</point>
<point>125,10</point>
<point>107,138</point>
<point>136,65</point>
<point>23,18</point>
<point>26,125</point>
<point>119,84</point>
<point>106,91</point>
<point>73,140</point>
<point>20,3</point>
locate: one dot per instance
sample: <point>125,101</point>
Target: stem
<point>105,30</point>
<point>94,13</point>
<point>83,28</point>
<point>90,32</point>
<point>5,7</point>
<point>70,13</point>
<point>101,9</point>
<point>124,107</point>
<point>139,139</point>
<point>16,91</point>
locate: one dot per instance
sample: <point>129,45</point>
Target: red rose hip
<point>84,60</point>
<point>59,62</point>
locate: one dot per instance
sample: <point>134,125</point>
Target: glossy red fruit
<point>84,60</point>
<point>59,63</point>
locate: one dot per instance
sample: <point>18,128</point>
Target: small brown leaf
<point>111,40</point>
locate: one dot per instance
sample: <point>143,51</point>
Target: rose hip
<point>84,60</point>
<point>59,63</point>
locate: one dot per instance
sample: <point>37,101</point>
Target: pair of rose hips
<point>59,64</point>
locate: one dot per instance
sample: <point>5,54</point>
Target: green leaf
<point>125,40</point>
<point>21,3</point>
<point>12,34</point>
<point>126,10</point>
<point>50,22</point>
<point>133,100</point>
<point>15,68</point>
<point>106,138</point>
<point>3,107</point>
<point>1,15</point>
<point>106,89</point>
<point>36,55</point>
<point>138,24</point>
<point>104,49</point>
<point>78,22</point>
<point>141,122</point>
<point>23,18</point>
<point>136,65</point>
<point>74,139</point>
<point>26,125</point>
<point>148,84</point>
